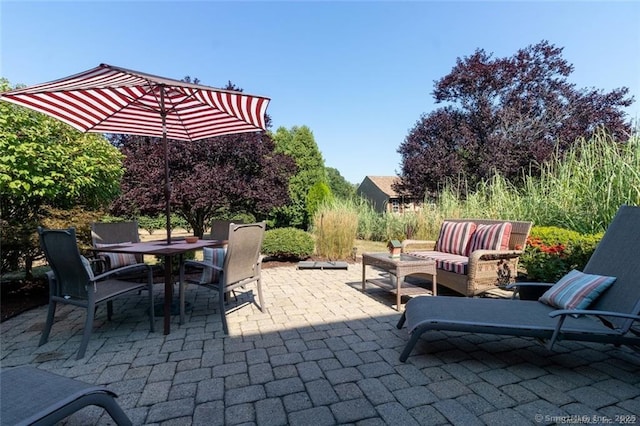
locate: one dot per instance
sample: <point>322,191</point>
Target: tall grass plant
<point>335,227</point>
<point>580,191</point>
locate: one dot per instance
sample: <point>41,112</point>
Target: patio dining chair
<point>241,266</point>
<point>220,229</point>
<point>72,281</point>
<point>104,234</point>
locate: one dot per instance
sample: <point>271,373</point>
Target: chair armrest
<point>425,244</point>
<point>565,312</point>
<point>99,264</point>
<point>121,269</point>
<point>201,264</point>
<point>479,255</point>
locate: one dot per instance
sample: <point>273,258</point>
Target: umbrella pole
<point>167,186</point>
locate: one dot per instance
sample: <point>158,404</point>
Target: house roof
<point>385,184</point>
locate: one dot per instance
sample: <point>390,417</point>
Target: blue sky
<point>358,74</point>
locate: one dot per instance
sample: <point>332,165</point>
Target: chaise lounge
<point>613,317</point>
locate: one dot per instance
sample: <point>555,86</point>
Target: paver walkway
<point>324,354</point>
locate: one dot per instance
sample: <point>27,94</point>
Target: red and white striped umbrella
<point>109,99</point>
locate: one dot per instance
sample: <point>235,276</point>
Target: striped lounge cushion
<point>491,237</point>
<point>118,260</point>
<point>576,290</point>
<point>454,237</point>
<point>446,261</point>
<point>216,257</point>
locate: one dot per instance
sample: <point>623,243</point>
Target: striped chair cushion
<point>214,256</point>
<point>118,260</point>
<point>491,237</point>
<point>576,290</point>
<point>454,237</point>
<point>446,261</point>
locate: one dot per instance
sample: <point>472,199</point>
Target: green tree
<point>318,194</point>
<point>339,185</point>
<point>44,162</point>
<point>299,144</point>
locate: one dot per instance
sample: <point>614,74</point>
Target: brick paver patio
<point>324,353</point>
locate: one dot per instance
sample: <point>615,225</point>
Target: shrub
<point>287,243</point>
<point>552,252</point>
<point>151,223</point>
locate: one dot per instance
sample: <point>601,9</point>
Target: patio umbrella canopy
<point>109,99</point>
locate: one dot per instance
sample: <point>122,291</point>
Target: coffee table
<point>399,267</point>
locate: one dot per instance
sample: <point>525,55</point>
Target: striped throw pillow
<point>576,290</point>
<point>118,260</point>
<point>214,256</point>
<point>454,237</point>
<point>491,237</point>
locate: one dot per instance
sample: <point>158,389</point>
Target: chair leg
<point>260,298</point>
<point>223,316</point>
<point>114,410</point>
<point>100,399</point>
<point>86,334</point>
<point>109,309</point>
<point>51,313</point>
<point>410,344</point>
<point>401,321</point>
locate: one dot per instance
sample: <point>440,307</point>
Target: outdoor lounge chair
<point>611,318</point>
<point>241,266</point>
<point>71,281</point>
<point>30,396</point>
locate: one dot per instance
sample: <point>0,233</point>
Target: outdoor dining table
<point>161,248</point>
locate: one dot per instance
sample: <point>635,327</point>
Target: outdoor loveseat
<point>474,255</point>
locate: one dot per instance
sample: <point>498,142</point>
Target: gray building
<point>380,193</point>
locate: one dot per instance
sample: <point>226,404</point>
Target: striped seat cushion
<point>576,290</point>
<point>214,256</point>
<point>118,260</point>
<point>491,237</point>
<point>454,237</point>
<point>446,261</point>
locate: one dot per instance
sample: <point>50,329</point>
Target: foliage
<point>335,225</point>
<point>319,193</point>
<point>46,162</point>
<point>581,190</point>
<point>75,217</point>
<point>287,243</point>
<point>339,185</point>
<point>299,144</point>
<point>228,175</point>
<point>551,252</point>
<point>152,223</point>
<point>505,115</point>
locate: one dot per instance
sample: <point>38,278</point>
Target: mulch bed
<point>17,297</point>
